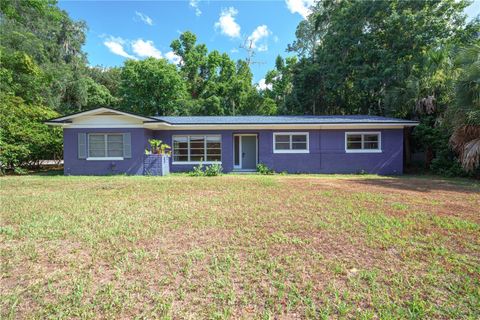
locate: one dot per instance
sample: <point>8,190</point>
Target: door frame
<point>240,135</point>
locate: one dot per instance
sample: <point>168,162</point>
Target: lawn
<point>239,247</point>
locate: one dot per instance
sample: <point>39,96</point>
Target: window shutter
<point>82,146</point>
<point>127,145</point>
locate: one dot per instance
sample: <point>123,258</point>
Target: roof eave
<point>87,112</point>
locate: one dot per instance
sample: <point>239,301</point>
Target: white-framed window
<point>105,146</point>
<point>363,142</point>
<point>192,149</point>
<point>290,142</point>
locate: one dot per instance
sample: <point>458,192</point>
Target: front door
<point>245,156</point>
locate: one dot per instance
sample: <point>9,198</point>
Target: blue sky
<point>136,29</point>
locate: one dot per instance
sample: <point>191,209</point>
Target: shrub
<point>263,169</point>
<point>213,170</point>
<point>20,171</point>
<point>197,171</point>
<point>208,171</point>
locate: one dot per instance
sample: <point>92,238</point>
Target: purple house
<point>107,141</point>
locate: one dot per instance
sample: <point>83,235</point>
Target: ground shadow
<point>48,173</point>
<point>423,184</point>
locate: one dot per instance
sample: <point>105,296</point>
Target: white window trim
<point>188,148</point>
<point>362,133</point>
<point>106,146</point>
<point>291,150</point>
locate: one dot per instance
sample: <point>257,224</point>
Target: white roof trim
<point>165,126</point>
<point>95,111</point>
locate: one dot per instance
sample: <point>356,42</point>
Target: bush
<point>263,169</point>
<point>197,171</point>
<point>213,170</point>
<point>208,171</point>
<point>20,171</point>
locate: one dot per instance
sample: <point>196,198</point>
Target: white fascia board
<point>164,126</point>
<point>102,126</point>
<point>99,110</point>
<point>168,126</point>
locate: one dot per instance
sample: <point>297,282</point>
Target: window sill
<point>196,162</point>
<point>104,158</point>
<point>291,151</point>
<point>363,151</point>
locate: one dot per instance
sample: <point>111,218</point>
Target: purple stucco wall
<point>75,166</point>
<point>327,152</point>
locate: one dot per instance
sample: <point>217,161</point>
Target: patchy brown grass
<point>239,247</point>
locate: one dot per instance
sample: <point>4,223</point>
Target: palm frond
<point>471,155</point>
<point>465,141</point>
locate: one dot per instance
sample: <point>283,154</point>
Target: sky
<point>120,30</point>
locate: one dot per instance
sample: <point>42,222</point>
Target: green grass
<point>304,246</point>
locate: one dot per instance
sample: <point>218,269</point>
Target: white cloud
<point>144,18</point>
<point>257,35</point>
<point>194,5</point>
<point>227,24</point>
<point>115,45</point>
<point>275,39</point>
<point>234,50</point>
<point>145,49</point>
<point>173,58</point>
<point>302,7</point>
<point>264,86</point>
<point>141,48</point>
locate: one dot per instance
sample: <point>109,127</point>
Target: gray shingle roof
<point>280,119</point>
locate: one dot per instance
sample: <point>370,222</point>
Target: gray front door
<point>249,152</point>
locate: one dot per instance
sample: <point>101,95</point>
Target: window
<point>101,145</point>
<point>362,142</point>
<point>193,149</point>
<point>285,142</point>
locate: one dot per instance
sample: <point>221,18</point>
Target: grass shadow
<point>425,183</point>
<point>48,172</point>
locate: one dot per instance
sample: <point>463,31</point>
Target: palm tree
<point>465,113</point>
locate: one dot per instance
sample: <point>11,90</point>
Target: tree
<point>465,113</point>
<point>110,78</point>
<point>47,35</point>
<point>216,84</point>
<point>24,139</point>
<point>365,49</point>
<point>151,86</point>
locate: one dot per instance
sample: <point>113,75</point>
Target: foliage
<point>41,73</point>
<point>197,171</point>
<point>158,147</point>
<point>213,170</point>
<point>359,60</point>
<point>39,32</point>
<point>216,85</point>
<point>110,78</point>
<point>465,113</point>
<point>151,86</point>
<point>263,169</point>
<point>24,139</point>
<point>206,171</point>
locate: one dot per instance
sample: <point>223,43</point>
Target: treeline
<point>44,73</point>
<point>409,59</point>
